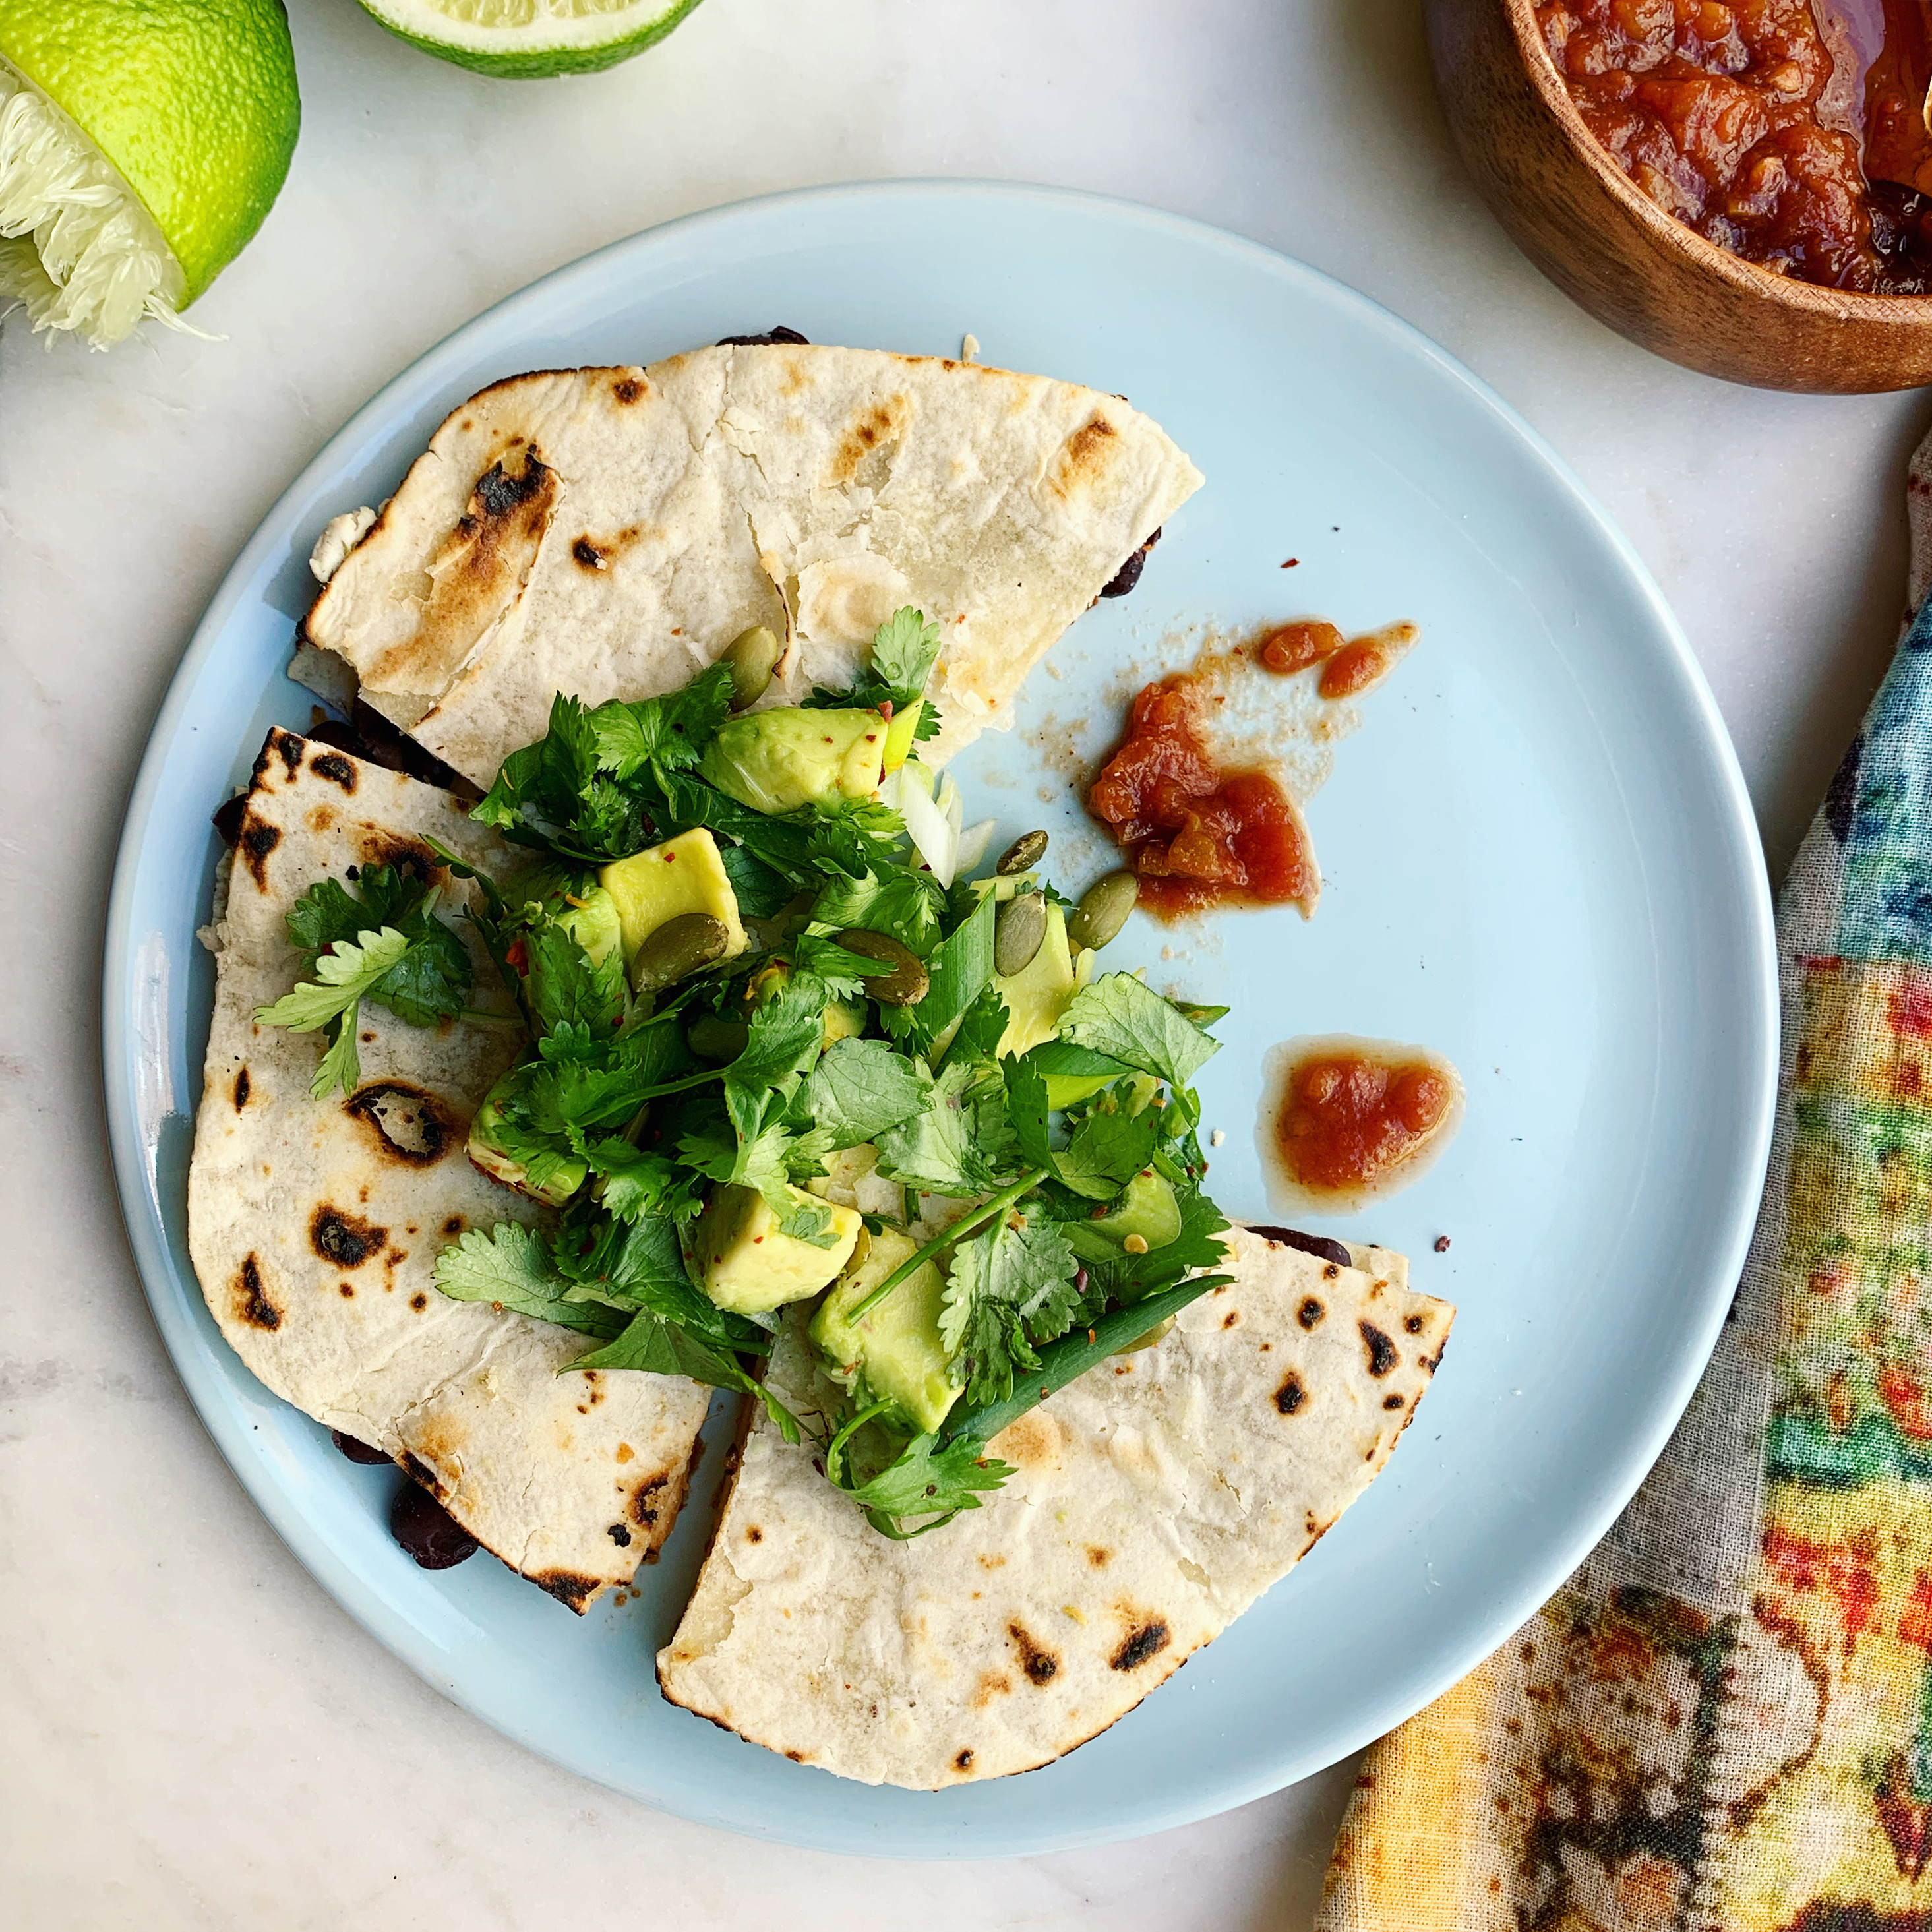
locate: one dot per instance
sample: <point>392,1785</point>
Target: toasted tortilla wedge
<point>1156,1499</point>
<point>314,1225</point>
<point>606,532</point>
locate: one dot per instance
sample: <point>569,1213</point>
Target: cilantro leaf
<point>905,648</point>
<point>1027,1109</point>
<point>332,1000</point>
<point>1008,1289</point>
<point>981,1028</point>
<point>900,901</point>
<point>1120,1016</point>
<point>635,1183</point>
<point>1106,1151</point>
<point>670,731</point>
<point>861,1088</point>
<point>926,1478</point>
<point>562,985</point>
<point>963,1144</point>
<point>510,1266</point>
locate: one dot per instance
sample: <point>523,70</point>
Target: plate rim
<point>1759,1017</point>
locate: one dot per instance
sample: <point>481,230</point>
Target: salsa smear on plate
<point>1201,830</point>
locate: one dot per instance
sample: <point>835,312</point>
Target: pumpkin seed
<point>1103,910</point>
<point>753,655</point>
<point>1022,855</point>
<point>679,947</point>
<point>901,978</point>
<point>1019,927</point>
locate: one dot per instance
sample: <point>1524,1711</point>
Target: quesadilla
<point>606,533</point>
<point>1154,1499</point>
<point>314,1224</point>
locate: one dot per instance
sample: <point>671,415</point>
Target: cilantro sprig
<point>381,941</point>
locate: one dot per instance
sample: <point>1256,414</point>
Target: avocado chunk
<point>684,875</point>
<point>897,1345</point>
<point>594,922</point>
<point>845,1019</point>
<point>745,1263</point>
<point>1041,990</point>
<point>1146,1208</point>
<point>779,760</point>
<point>487,1153</point>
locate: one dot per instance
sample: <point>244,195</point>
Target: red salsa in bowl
<point>1791,132</point>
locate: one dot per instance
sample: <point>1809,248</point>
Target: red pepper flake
<point>1442,1244</point>
<point>1290,563</point>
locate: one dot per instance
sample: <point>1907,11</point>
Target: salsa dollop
<point>1356,1118</point>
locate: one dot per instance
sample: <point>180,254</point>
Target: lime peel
<point>519,40</point>
<point>78,251</point>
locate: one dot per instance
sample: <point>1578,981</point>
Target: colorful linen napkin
<point>1723,1723</point>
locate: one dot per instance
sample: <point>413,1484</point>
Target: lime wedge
<point>141,142</point>
<point>530,40</point>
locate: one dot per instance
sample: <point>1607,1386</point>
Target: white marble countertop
<point>191,1734</point>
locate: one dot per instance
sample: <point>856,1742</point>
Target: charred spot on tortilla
<point>410,1124</point>
<point>419,1301</point>
<point>348,1291</point>
<point>572,1591</point>
<point>251,1301</point>
<point>258,839</point>
<point>1413,1323</point>
<point>1148,1641</point>
<point>334,767</point>
<point>421,1472</point>
<point>1392,1402</point>
<point>643,1502</point>
<point>627,390</point>
<point>241,1090</point>
<point>1098,1557</point>
<point>588,554</point>
<point>1310,1312</point>
<point>884,422</point>
<point>964,1761</point>
<point>1128,574</point>
<point>1085,455</point>
<point>1382,1355</point>
<point>619,1535</point>
<point>777,333</point>
<point>1039,1663</point>
<point>290,747</point>
<point>404,855</point>
<point>343,1239</point>
<point>1291,1395</point>
<point>1319,1245</point>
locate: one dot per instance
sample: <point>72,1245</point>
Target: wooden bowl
<point>1602,240</point>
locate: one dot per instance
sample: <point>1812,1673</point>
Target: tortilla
<point>1156,1498</point>
<point>314,1225</point>
<point>606,532</point>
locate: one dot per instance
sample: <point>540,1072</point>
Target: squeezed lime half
<point>141,142</point>
<point>530,39</point>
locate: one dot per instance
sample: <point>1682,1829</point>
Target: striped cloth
<point>1723,1723</point>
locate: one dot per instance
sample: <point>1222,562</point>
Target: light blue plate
<point>1539,859</point>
